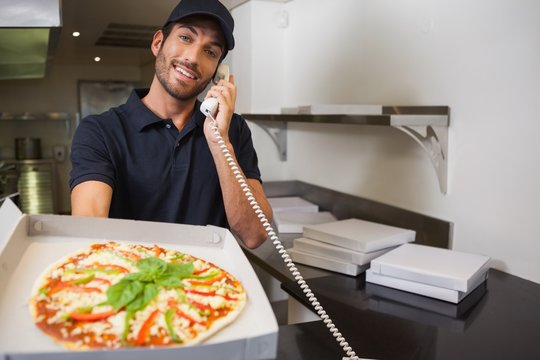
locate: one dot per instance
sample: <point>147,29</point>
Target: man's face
<point>187,59</point>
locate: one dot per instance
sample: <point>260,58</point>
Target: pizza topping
<point>136,290</point>
<point>169,315</point>
<point>65,287</point>
<point>210,293</point>
<point>82,316</point>
<point>106,269</point>
<point>115,295</point>
<point>145,328</point>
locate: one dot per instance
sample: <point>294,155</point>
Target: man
<point>155,157</point>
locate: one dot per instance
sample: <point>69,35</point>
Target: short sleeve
<point>90,156</point>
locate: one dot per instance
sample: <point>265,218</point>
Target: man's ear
<point>157,41</point>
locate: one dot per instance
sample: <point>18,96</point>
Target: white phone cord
<point>277,243</point>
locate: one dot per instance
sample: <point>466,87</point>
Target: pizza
<point>113,295</point>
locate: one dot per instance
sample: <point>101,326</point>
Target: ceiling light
<point>76,34</point>
<point>97,59</point>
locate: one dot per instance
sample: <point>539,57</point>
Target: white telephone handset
<point>210,105</point>
<point>209,108</point>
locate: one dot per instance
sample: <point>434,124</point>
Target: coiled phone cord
<point>277,243</point>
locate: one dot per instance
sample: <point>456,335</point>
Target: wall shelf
<point>427,125</point>
<point>50,116</point>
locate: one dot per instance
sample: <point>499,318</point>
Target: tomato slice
<point>92,316</point>
<point>67,286</point>
<point>145,328</point>
<point>198,305</point>
<point>211,293</point>
<point>173,304</point>
<point>187,317</point>
<point>198,272</point>
<point>209,281</point>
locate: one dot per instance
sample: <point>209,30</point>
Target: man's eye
<point>212,53</point>
<point>184,38</point>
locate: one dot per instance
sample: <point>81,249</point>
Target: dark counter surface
<point>499,320</point>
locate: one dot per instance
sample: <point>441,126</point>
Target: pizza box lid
<point>9,215</point>
<point>429,265</point>
<point>294,221</point>
<point>360,235</point>
<point>36,241</point>
<point>292,203</point>
<point>324,249</point>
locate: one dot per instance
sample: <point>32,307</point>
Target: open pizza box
<point>30,243</point>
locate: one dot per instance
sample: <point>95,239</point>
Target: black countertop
<point>499,320</point>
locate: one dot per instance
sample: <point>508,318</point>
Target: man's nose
<point>192,54</point>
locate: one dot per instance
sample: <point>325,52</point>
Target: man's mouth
<point>185,72</point>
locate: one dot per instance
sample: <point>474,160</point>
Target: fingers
<point>224,91</point>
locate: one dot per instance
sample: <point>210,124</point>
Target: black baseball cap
<point>212,8</point>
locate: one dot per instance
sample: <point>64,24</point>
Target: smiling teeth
<point>182,71</point>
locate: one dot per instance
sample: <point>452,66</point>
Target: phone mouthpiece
<point>209,106</point>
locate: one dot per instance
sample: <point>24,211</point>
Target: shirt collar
<point>143,117</point>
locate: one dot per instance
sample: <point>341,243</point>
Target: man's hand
<point>225,93</point>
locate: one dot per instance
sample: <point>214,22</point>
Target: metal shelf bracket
<point>277,130</point>
<point>434,140</point>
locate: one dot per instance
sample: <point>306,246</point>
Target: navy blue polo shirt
<point>157,172</point>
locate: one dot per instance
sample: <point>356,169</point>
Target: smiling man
<point>155,157</point>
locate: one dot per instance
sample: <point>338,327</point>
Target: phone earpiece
<point>209,106</point>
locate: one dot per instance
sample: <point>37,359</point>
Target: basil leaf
<point>152,265</point>
<point>138,276</point>
<point>123,292</point>
<point>180,270</point>
<point>169,281</point>
<point>143,298</point>
<point>150,292</point>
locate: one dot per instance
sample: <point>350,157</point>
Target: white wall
<point>480,57</point>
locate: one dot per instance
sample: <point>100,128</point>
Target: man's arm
<point>240,215</point>
<point>91,198</point>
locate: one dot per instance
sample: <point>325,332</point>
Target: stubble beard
<point>176,91</point>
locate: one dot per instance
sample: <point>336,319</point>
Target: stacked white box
<point>347,246</point>
<point>288,222</point>
<point>443,274</point>
<point>292,204</point>
<point>360,235</point>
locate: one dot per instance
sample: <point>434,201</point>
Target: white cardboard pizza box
<point>294,221</point>
<point>36,241</point>
<point>292,203</point>
<point>360,235</point>
<point>433,291</point>
<point>433,266</point>
<point>324,249</point>
<point>326,262</point>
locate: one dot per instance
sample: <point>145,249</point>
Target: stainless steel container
<point>36,185</point>
<point>27,148</point>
